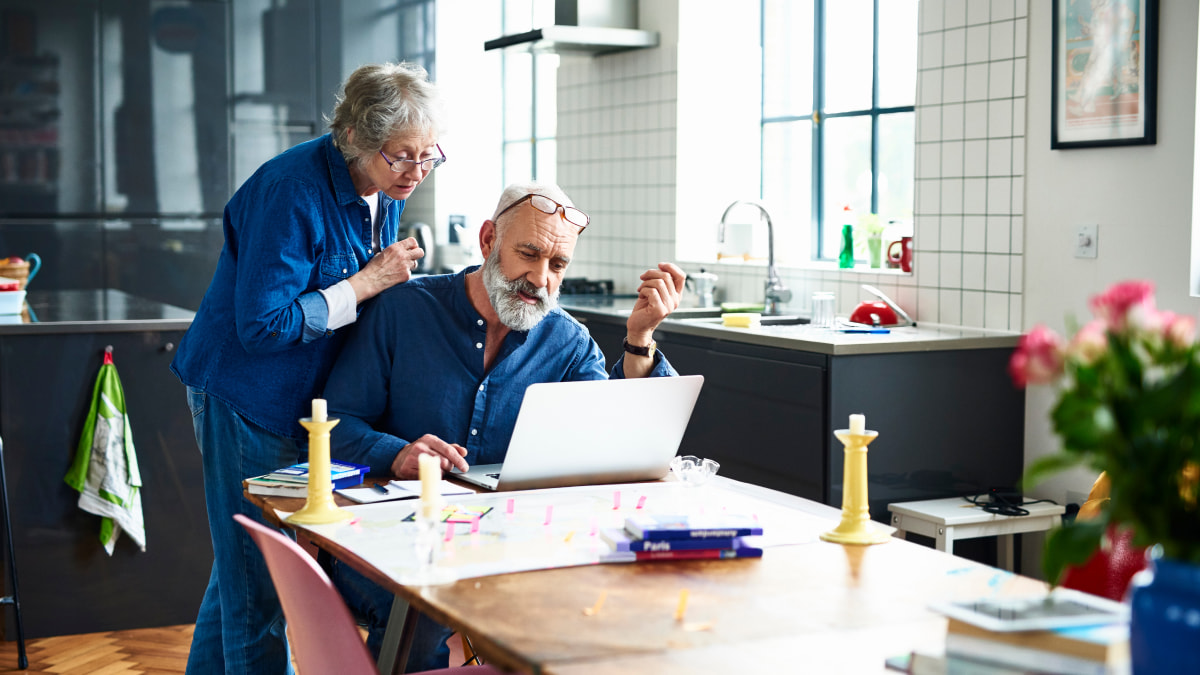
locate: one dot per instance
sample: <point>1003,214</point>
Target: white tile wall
<point>617,123</point>
<point>980,243</point>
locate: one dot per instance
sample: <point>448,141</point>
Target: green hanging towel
<point>105,470</point>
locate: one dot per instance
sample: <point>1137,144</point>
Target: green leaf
<point>1044,467</point>
<point>1072,544</point>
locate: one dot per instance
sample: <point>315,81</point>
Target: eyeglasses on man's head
<point>550,207</point>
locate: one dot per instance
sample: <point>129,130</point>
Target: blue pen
<point>864,330</point>
<point>380,488</point>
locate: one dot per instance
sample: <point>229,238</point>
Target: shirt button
<point>478,345</point>
<point>474,432</point>
<point>481,387</point>
<point>479,322</point>
<point>344,271</point>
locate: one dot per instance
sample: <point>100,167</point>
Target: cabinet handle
<point>169,347</point>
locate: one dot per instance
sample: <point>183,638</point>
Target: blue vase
<point>1164,635</point>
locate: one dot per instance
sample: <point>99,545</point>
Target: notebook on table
<point>593,432</point>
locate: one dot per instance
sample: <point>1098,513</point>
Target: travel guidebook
<point>701,526</point>
<point>620,540</point>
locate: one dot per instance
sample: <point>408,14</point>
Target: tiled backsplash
<point>617,122</point>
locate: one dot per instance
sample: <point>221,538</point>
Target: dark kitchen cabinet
<point>68,584</point>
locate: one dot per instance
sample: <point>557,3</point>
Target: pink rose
<point>1179,329</point>
<point>1090,343</point>
<point>1114,305</point>
<point>1039,357</point>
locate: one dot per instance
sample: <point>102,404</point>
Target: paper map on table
<point>542,529</point>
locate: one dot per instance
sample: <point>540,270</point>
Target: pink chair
<point>324,635</point>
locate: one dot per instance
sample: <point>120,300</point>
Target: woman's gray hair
<point>382,101</point>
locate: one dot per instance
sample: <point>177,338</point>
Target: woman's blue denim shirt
<point>259,340</point>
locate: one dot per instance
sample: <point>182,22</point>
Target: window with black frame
<point>530,97</point>
<point>838,120</point>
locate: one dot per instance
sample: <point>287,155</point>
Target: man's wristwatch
<point>640,351</point>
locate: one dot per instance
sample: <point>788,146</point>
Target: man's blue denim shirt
<point>259,340</point>
<point>414,366</point>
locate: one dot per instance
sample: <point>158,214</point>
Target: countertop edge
<point>997,340</point>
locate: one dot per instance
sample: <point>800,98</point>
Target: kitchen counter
<point>923,337</point>
<point>92,311</point>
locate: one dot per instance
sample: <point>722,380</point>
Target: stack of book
<point>650,537</point>
<point>292,481</point>
<point>1076,650</point>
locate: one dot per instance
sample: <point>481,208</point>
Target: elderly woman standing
<point>310,236</point>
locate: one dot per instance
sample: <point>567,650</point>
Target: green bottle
<point>846,259</point>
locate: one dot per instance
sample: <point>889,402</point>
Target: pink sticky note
<point>549,514</point>
<point>616,500</point>
<point>449,531</point>
<point>511,504</point>
<point>641,501</point>
<point>475,525</point>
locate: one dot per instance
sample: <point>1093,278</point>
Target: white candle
<point>430,469</point>
<point>858,424</point>
<point>319,413</point>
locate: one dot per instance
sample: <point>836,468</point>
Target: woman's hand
<point>393,265</point>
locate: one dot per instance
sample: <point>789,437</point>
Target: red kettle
<point>882,312</point>
<point>874,313</point>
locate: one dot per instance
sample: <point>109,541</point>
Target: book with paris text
<point>620,540</point>
<point>701,526</point>
<point>739,550</point>
<point>292,481</point>
<point>1095,650</point>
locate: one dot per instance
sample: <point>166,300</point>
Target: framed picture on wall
<point>1104,85</point>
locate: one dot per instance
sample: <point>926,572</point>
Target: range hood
<point>584,27</point>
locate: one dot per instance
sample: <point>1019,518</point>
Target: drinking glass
<point>822,309</point>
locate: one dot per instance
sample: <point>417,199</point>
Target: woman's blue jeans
<point>240,628</point>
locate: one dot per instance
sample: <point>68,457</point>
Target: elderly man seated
<point>439,365</point>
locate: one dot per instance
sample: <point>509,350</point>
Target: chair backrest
<point>324,635</point>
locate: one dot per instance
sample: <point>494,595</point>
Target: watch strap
<point>640,351</point>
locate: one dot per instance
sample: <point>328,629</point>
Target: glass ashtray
<point>691,470</point>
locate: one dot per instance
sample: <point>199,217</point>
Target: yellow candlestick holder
<point>856,516</point>
<point>320,507</point>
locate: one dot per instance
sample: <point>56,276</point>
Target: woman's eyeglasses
<point>402,165</point>
<point>550,207</point>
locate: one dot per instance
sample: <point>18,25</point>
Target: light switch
<point>1087,241</point>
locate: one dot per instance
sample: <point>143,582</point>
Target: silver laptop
<point>593,432</point>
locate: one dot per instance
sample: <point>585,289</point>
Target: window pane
<point>547,161</point>
<point>788,57</point>
<point>518,16</point>
<point>848,55</point>
<point>847,174</point>
<point>518,96</point>
<point>518,162</point>
<point>547,95</point>
<point>896,156</point>
<point>787,184</point>
<point>897,53</point>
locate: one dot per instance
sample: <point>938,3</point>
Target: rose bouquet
<point>1128,405</point>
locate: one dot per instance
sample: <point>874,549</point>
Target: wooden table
<point>816,607</point>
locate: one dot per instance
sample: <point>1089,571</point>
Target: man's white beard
<point>514,312</point>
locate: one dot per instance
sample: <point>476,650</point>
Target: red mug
<point>904,256</point>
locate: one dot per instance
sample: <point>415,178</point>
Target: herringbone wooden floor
<point>126,652</point>
<point>147,650</point>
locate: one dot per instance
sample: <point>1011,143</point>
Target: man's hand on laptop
<point>405,466</point>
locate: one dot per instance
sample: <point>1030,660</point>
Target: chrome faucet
<point>776,292</point>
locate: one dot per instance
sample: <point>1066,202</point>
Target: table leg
<point>397,639</point>
<point>945,539</point>
<point>1004,551</point>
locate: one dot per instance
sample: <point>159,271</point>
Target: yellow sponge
<point>741,320</point>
